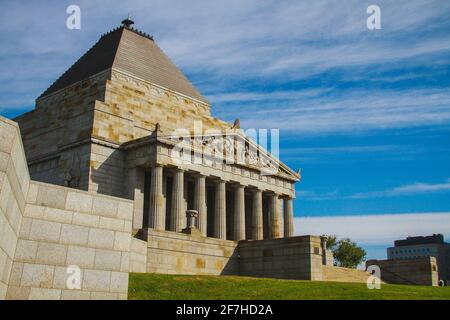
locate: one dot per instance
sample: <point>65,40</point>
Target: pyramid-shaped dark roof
<point>131,51</point>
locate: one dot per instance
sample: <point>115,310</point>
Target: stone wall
<point>447,265</point>
<point>132,107</point>
<point>422,271</point>
<point>329,258</point>
<point>63,227</point>
<point>107,170</point>
<point>55,168</point>
<point>14,182</point>
<point>178,253</point>
<point>286,258</point>
<point>59,128</point>
<point>138,256</point>
<point>443,261</point>
<point>135,185</point>
<point>289,258</point>
<point>46,228</point>
<point>338,274</point>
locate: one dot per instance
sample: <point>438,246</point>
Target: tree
<point>346,253</point>
<point>332,242</point>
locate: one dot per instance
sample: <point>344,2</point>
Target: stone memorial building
<point>122,168</point>
<point>107,126</point>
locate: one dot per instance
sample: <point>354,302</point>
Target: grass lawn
<point>168,287</point>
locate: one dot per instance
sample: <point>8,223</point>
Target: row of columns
<point>177,214</point>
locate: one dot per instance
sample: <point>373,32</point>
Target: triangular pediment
<point>234,149</point>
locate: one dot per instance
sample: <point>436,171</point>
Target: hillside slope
<point>169,287</point>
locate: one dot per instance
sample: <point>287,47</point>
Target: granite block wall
<point>65,227</point>
<point>54,169</point>
<point>138,256</point>
<point>285,258</point>
<point>14,182</point>
<point>107,171</point>
<point>338,274</point>
<point>421,271</point>
<point>178,253</point>
<point>46,228</point>
<point>59,127</point>
<point>288,258</point>
<point>132,107</point>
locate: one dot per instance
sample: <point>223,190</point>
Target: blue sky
<point>365,114</point>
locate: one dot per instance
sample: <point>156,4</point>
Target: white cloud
<point>357,111</point>
<point>221,42</point>
<point>312,195</point>
<point>373,230</point>
<point>420,188</point>
<point>405,190</point>
<point>340,149</point>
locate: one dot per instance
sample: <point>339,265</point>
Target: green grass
<point>169,287</point>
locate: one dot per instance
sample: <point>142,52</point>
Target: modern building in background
<point>423,246</point>
<point>416,260</point>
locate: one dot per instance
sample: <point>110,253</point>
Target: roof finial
<point>127,22</point>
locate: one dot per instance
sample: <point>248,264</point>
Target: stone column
<point>274,217</point>
<point>157,218</point>
<point>239,214</point>
<point>200,203</point>
<point>177,216</point>
<point>288,218</point>
<point>257,216</point>
<point>220,212</point>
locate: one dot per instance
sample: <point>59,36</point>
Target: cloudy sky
<point>364,113</point>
